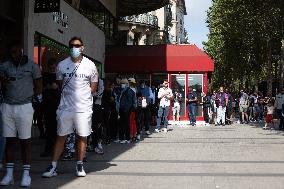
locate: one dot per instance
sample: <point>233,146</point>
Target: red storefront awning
<point>157,58</point>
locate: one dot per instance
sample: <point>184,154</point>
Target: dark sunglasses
<point>75,45</point>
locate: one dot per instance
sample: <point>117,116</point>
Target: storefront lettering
<point>61,19</point>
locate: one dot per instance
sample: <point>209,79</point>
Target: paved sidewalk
<point>230,157</point>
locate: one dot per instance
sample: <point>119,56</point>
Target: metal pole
<point>282,65</point>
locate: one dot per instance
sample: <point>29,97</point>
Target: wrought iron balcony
<point>131,7</point>
<point>147,19</point>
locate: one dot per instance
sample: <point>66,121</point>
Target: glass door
<point>178,84</point>
<point>195,81</point>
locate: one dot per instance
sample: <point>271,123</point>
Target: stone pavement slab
<point>230,157</point>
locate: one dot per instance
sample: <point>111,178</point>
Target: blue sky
<point>195,21</point>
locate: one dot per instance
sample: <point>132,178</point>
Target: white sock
<point>10,169</point>
<point>79,162</point>
<point>26,169</point>
<point>54,164</point>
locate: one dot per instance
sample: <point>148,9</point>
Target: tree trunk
<point>269,71</point>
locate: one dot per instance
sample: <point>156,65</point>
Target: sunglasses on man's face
<point>75,45</point>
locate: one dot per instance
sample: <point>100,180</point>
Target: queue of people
<point>78,112</point>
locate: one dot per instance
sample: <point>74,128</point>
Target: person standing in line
<point>148,97</point>
<point>154,106</point>
<point>229,107</point>
<point>206,108</point>
<point>191,105</point>
<point>2,139</point>
<point>269,111</point>
<point>213,108</point>
<point>51,98</point>
<point>221,106</point>
<point>177,99</point>
<point>127,104</point>
<point>132,121</point>
<point>165,95</point>
<point>244,104</point>
<point>279,101</point>
<point>78,77</point>
<point>21,80</point>
<point>98,119</point>
<point>108,105</point>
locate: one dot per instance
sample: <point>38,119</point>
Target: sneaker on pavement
<point>50,172</point>
<point>147,132</point>
<point>7,180</point>
<point>80,172</point>
<point>100,146</point>
<point>99,151</point>
<point>123,141</point>
<point>26,181</point>
<point>157,130</point>
<point>117,141</point>
<point>165,130</point>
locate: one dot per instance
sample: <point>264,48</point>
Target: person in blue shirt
<point>192,102</point>
<point>148,97</point>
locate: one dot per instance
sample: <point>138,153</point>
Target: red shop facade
<point>183,66</point>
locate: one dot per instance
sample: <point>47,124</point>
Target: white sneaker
<point>138,137</point>
<point>100,146</point>
<point>128,141</point>
<point>123,141</point>
<point>50,172</point>
<point>147,132</point>
<point>80,172</point>
<point>117,141</point>
<point>26,181</point>
<point>157,130</point>
<point>7,180</point>
<point>99,151</point>
<point>165,130</point>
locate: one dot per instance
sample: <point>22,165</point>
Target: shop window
<point>46,49</point>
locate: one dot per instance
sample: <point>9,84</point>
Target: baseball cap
<point>131,80</point>
<point>124,81</point>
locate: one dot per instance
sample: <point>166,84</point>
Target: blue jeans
<point>192,113</point>
<point>163,111</point>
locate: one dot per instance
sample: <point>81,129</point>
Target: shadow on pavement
<point>66,169</point>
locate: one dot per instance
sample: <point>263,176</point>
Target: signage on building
<point>61,19</point>
<point>43,6</point>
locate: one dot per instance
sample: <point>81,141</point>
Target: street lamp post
<point>282,65</point>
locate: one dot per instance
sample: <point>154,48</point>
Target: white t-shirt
<point>166,100</point>
<point>76,95</point>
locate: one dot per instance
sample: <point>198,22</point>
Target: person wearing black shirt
<point>192,102</point>
<point>51,98</point>
<point>206,108</point>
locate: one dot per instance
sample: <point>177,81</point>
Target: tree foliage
<point>242,35</point>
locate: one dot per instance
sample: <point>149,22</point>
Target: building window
<point>96,12</point>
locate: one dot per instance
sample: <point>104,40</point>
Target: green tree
<point>243,34</point>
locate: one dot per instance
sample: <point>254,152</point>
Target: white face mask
<point>123,86</point>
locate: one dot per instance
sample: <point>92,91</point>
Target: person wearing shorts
<point>244,104</point>
<point>21,80</point>
<point>78,77</point>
